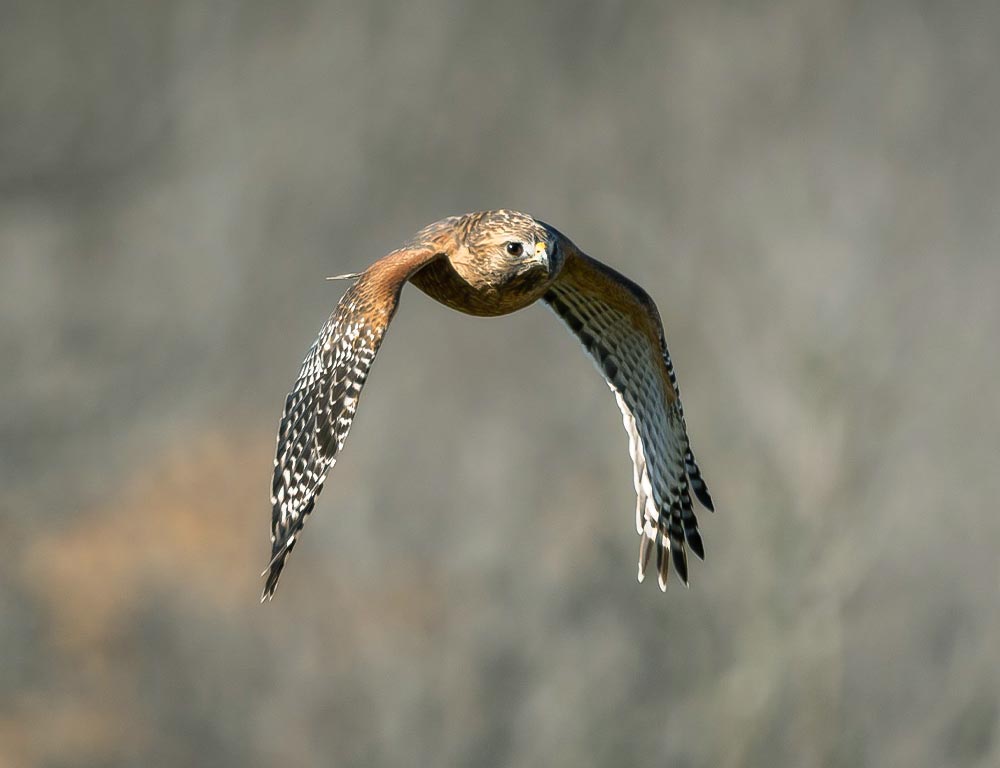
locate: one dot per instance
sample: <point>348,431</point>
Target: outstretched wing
<point>319,409</point>
<point>619,326</point>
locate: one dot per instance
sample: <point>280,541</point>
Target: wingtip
<point>269,587</point>
<point>268,592</point>
<point>702,494</point>
<point>680,562</point>
<point>645,550</point>
<point>696,544</point>
<point>271,572</point>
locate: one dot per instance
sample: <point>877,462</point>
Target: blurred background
<point>809,190</point>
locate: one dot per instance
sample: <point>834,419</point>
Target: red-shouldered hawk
<point>493,263</point>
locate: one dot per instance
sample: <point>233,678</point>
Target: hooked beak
<point>542,255</point>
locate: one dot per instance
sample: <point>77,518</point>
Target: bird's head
<point>511,246</point>
<point>494,262</point>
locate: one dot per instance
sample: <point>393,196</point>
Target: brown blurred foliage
<point>809,190</point>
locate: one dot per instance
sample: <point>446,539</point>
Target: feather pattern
<point>618,325</point>
<point>320,408</point>
<point>491,263</point>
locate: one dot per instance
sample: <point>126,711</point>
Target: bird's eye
<point>515,249</point>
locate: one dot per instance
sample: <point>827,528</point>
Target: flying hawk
<point>493,263</point>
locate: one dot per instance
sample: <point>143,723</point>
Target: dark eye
<point>515,249</point>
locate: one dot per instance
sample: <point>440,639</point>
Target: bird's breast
<point>477,291</point>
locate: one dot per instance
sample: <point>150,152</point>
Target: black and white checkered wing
<point>321,406</point>
<point>619,327</point>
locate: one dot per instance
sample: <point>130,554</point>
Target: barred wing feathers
<point>619,327</point>
<point>321,406</point>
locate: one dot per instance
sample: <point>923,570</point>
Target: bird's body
<point>477,276</point>
<point>493,263</point>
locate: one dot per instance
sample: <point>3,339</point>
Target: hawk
<point>493,263</point>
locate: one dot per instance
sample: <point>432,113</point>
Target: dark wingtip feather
<point>694,541</point>
<point>662,562</point>
<point>680,561</point>
<point>701,492</point>
<point>697,482</point>
<point>273,570</point>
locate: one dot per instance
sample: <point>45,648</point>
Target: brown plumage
<point>487,264</point>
